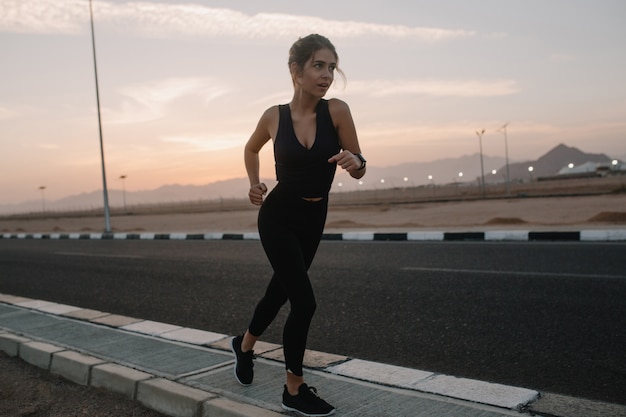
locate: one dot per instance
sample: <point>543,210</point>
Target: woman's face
<point>318,73</point>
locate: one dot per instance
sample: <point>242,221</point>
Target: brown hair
<point>303,49</point>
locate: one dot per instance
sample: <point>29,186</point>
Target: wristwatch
<point>363,161</point>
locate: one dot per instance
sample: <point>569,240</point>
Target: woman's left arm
<point>344,125</point>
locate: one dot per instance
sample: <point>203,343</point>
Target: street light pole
<point>482,167</point>
<point>506,155</point>
<point>107,216</point>
<point>43,198</point>
<point>123,178</point>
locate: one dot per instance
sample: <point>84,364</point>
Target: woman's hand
<point>256,193</point>
<point>346,160</point>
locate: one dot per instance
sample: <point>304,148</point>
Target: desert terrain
<point>537,213</point>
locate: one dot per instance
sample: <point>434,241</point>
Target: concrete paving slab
<point>58,308</point>
<point>172,398</point>
<point>312,358</point>
<point>260,348</point>
<point>151,327</point>
<point>352,398</point>
<point>22,321</point>
<point>85,314</point>
<point>38,353</point>
<point>10,343</point>
<point>478,391</point>
<point>34,304</point>
<point>74,366</point>
<point>160,357</point>
<point>222,407</point>
<point>154,355</point>
<point>196,337</point>
<point>117,378</point>
<point>115,320</point>
<point>380,373</point>
<point>7,309</point>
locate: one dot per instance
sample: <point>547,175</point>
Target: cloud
<point>441,88</point>
<point>150,100</point>
<point>161,20</point>
<point>45,16</point>
<point>6,113</point>
<point>204,143</point>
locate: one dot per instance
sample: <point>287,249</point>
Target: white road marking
<point>521,273</point>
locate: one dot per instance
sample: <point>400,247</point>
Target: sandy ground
<point>562,213</point>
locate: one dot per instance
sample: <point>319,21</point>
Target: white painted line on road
<point>98,255</point>
<point>478,391</point>
<point>521,273</point>
<point>377,372</point>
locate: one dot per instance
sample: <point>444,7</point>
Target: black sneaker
<point>307,402</point>
<point>243,362</point>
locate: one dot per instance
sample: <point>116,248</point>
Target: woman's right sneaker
<point>243,362</point>
<point>307,402</point>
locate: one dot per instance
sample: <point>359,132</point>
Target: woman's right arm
<point>259,138</point>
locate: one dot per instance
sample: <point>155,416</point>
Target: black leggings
<point>290,229</point>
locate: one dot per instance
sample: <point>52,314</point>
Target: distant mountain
<point>551,163</point>
<point>441,171</point>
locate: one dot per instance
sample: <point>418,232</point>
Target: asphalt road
<point>547,316</point>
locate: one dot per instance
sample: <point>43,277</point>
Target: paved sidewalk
<point>187,372</point>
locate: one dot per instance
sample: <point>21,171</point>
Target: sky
<point>182,84</point>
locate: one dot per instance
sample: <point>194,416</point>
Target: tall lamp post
<point>43,198</point>
<point>506,155</point>
<point>107,216</point>
<point>123,178</point>
<point>482,167</point>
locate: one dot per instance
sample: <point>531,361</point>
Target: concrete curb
<point>496,235</point>
<point>176,399</point>
<point>159,394</point>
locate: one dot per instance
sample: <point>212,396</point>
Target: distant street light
<point>123,177</point>
<point>506,154</point>
<point>530,172</point>
<point>482,167</point>
<point>43,198</point>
